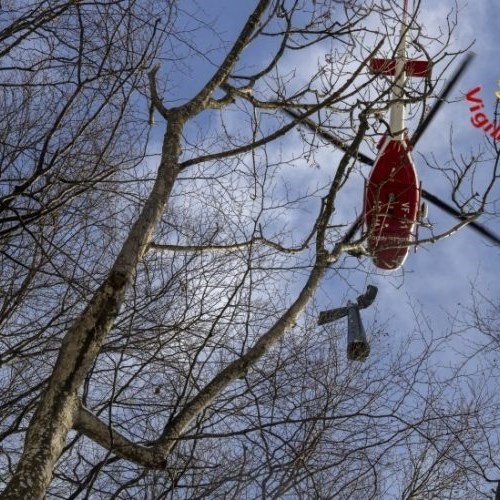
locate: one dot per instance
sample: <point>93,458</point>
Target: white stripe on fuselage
<point>397,118</point>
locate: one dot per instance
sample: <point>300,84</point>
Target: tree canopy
<point>165,228</point>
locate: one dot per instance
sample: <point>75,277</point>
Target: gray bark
<point>59,407</point>
<point>56,412</point>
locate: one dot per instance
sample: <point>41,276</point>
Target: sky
<point>439,276</point>
<point>436,280</point>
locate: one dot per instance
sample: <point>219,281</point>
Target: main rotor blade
<point>455,213</point>
<point>441,98</point>
<point>327,136</point>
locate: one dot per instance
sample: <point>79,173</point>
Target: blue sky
<point>438,276</point>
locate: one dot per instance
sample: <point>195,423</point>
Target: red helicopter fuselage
<point>391,204</point>
<point>392,192</point>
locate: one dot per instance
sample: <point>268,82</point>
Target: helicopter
<point>392,203</point>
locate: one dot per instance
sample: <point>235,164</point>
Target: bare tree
<point>150,272</point>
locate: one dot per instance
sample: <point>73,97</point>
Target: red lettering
<point>479,120</point>
<point>476,107</point>
<point>470,95</point>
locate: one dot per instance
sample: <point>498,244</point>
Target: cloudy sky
<point>437,278</point>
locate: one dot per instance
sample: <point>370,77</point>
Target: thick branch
<point>199,101</point>
<point>89,425</point>
<point>156,102</point>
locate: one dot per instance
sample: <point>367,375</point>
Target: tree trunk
<point>56,411</point>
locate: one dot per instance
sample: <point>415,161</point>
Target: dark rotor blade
<point>455,213</point>
<point>327,136</point>
<point>441,98</point>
